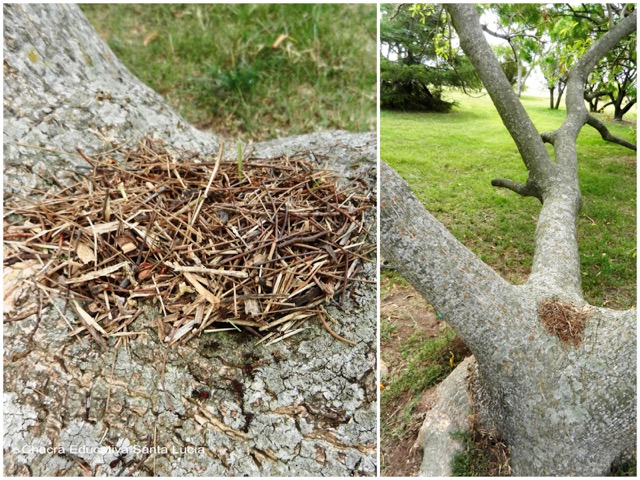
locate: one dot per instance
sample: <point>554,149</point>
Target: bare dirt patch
<point>405,313</point>
<point>401,457</point>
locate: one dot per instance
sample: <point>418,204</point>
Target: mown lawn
<point>251,71</point>
<point>450,159</point>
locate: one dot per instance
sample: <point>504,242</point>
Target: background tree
<point>554,72</point>
<point>554,376</point>
<point>509,64</point>
<point>418,61</point>
<point>521,26</point>
<point>615,77</point>
<point>572,30</point>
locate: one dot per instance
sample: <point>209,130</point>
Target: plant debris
<point>484,453</point>
<point>563,320</point>
<point>250,244</point>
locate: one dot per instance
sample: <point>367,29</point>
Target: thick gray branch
<point>515,118</point>
<point>591,96</point>
<point>556,263</point>
<point>587,62</point>
<point>606,134</point>
<point>505,36</point>
<point>466,291</point>
<point>496,34</point>
<point>548,137</point>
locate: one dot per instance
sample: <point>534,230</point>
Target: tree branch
<point>591,96</point>
<point>556,262</point>
<point>525,189</point>
<point>577,115</point>
<point>580,15</point>
<point>628,106</point>
<point>532,150</point>
<point>548,137</point>
<point>505,36</point>
<point>465,290</point>
<point>606,135</point>
<point>586,63</point>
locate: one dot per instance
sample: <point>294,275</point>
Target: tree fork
<point>563,408</point>
<point>534,154</point>
<point>555,404</point>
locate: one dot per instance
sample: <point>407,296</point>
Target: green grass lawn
<point>450,159</point>
<point>251,71</point>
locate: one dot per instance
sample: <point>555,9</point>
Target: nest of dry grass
<point>240,244</point>
<point>563,320</point>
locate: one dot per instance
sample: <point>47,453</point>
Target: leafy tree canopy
<point>418,59</point>
<point>572,30</point>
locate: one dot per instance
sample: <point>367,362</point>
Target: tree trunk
<point>564,405</point>
<point>562,409</point>
<point>561,87</point>
<point>619,110</point>
<point>519,80</point>
<point>311,413</point>
<point>625,109</point>
<point>551,89</point>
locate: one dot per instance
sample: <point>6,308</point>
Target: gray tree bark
<point>562,408</point>
<point>313,413</point>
